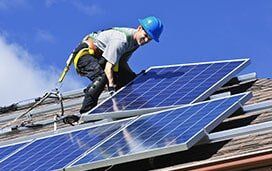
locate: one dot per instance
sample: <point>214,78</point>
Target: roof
<point>44,113</point>
<point>211,151</point>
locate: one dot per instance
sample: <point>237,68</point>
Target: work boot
<point>88,103</point>
<point>71,119</point>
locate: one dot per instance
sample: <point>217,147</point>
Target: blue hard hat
<point>153,27</point>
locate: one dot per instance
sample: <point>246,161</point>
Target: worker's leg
<point>92,93</point>
<point>123,77</point>
<point>89,66</point>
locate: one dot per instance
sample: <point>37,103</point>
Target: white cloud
<point>44,36</point>
<point>21,78</point>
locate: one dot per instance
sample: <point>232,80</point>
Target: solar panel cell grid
<point>162,130</point>
<point>5,151</point>
<point>168,86</point>
<point>57,151</point>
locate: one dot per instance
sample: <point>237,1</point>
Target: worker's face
<point>141,36</point>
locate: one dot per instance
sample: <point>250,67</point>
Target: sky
<point>36,37</point>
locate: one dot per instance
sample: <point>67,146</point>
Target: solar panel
<point>161,133</point>
<point>168,86</point>
<point>7,150</point>
<point>54,152</point>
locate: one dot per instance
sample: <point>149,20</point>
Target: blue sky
<point>36,37</point>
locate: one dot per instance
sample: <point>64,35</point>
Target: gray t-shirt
<point>116,43</point>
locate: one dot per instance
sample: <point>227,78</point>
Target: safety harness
<point>93,48</point>
<point>82,52</point>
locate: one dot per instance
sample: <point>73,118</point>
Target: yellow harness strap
<point>89,51</point>
<point>116,68</point>
<point>82,52</point>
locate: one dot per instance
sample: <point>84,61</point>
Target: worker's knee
<point>98,85</point>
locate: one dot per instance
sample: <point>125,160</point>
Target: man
<point>102,57</point>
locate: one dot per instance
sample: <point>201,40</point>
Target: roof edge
<point>245,161</point>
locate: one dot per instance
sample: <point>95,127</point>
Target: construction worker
<point>102,57</point>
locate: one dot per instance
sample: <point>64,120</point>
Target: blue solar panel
<point>5,151</point>
<point>178,128</point>
<point>57,151</point>
<point>172,85</point>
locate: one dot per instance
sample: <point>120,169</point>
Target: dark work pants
<point>93,69</point>
<point>89,67</point>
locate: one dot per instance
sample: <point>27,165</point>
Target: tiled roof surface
<point>262,91</point>
<point>43,116</point>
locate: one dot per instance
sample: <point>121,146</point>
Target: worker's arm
<point>112,53</point>
<point>109,73</point>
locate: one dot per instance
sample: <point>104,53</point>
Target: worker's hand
<point>112,90</point>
